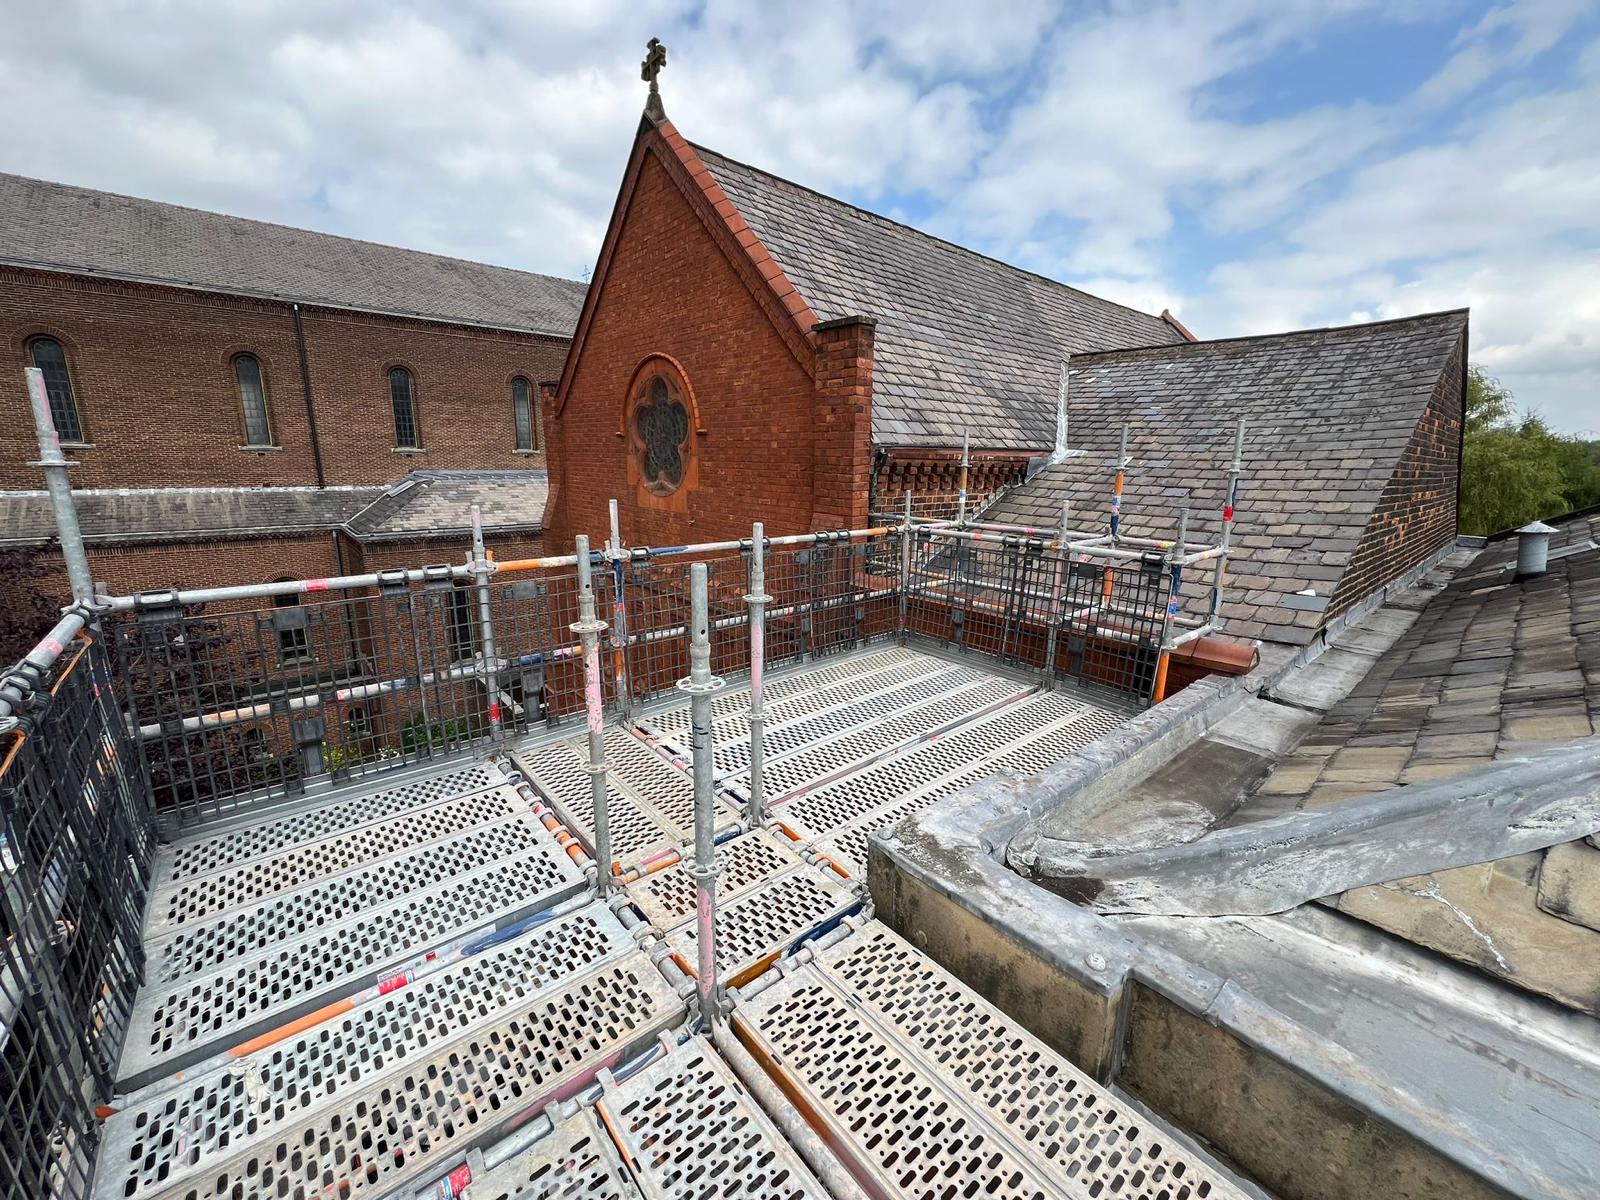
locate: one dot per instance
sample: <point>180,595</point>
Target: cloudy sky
<point>1254,165</point>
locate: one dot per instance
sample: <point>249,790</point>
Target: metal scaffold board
<point>1044,728</point>
<point>851,748</point>
<point>200,896</point>
<point>172,1133</point>
<point>731,733</point>
<point>577,1161</point>
<point>400,1129</point>
<point>785,737</point>
<point>651,799</point>
<point>667,897</point>
<point>179,1020</point>
<point>177,947</point>
<point>671,719</point>
<point>936,1093</point>
<point>690,1131</point>
<point>764,921</point>
<point>201,852</point>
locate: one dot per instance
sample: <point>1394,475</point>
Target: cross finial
<point>655,58</point>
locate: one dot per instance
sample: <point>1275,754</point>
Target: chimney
<point>1533,549</point>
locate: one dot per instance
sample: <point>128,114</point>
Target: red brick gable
<point>783,304</point>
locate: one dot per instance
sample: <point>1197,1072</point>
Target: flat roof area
<point>378,988</point>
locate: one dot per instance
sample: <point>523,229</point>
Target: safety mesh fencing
<point>825,598</point>
<point>234,707</point>
<point>75,851</point>
<point>1000,598</point>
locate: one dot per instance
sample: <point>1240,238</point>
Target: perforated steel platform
<point>651,798</point>
<point>690,1131</point>
<point>257,941</point>
<point>1025,738</point>
<point>933,1092</point>
<point>245,1102</point>
<point>578,1161</point>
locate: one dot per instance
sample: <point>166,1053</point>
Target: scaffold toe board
<point>577,1160</point>
<point>376,1132</point>
<point>247,971</point>
<point>930,1091</point>
<point>225,1107</point>
<point>690,1131</point>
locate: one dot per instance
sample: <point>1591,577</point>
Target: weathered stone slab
<point>1569,883</point>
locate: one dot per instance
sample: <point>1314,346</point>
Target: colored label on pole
<point>455,1183</point>
<point>316,585</point>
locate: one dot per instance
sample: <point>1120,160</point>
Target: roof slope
<point>139,514</point>
<point>58,227</point>
<point>439,503</point>
<point>1328,414</point>
<point>965,344</point>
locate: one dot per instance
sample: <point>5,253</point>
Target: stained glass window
<point>660,434</point>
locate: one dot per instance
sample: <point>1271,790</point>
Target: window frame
<point>415,445</point>
<point>81,436</point>
<point>266,403</point>
<point>533,446</point>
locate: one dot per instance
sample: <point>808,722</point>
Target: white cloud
<point>1114,146</point>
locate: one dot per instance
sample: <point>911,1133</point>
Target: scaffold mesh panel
<point>197,946</point>
<point>151,1145</point>
<point>578,1161</point>
<point>694,1133</point>
<point>174,1023</point>
<point>193,899</point>
<point>402,1128</point>
<point>766,920</point>
<point>667,897</point>
<point>210,853</point>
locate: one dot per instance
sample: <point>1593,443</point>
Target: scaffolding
<point>139,717</point>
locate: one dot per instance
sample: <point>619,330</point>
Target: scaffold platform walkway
<point>414,989</point>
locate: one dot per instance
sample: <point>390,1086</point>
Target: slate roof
<point>438,504</point>
<point>54,226</point>
<point>1328,413</point>
<point>1492,667</point>
<point>423,504</point>
<point>964,343</point>
<point>145,514</point>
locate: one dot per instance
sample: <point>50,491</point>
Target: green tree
<point>1514,468</point>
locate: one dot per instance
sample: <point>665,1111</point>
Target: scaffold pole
<point>700,686</point>
<point>757,599</point>
<point>486,652</point>
<point>589,627</point>
<point>55,466</point>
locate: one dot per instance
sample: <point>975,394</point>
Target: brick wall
<point>671,289</point>
<point>1416,514</point>
<point>843,423</point>
<point>152,373</point>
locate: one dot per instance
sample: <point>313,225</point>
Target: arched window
<point>51,359</point>
<point>522,404</point>
<point>402,398</point>
<point>253,400</point>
